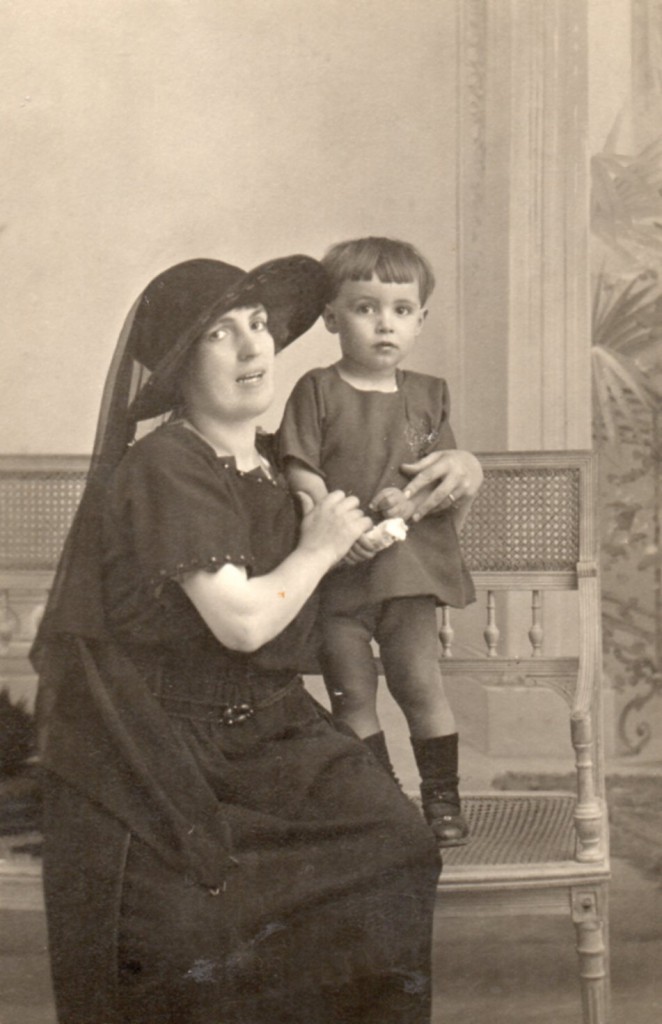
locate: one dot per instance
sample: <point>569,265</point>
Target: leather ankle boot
<point>437,761</point>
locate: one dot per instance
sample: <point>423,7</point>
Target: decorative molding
<point>472,99</point>
<point>549,336</point>
<point>471,163</point>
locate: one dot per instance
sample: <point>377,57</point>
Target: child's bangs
<point>391,261</point>
<point>389,268</point>
<point>396,268</point>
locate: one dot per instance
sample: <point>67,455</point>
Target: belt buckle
<point>236,714</point>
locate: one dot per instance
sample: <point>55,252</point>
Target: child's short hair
<point>392,261</point>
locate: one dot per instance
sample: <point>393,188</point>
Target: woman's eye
<point>217,334</point>
<point>259,325</point>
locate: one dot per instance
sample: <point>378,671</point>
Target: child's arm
<point>303,479</point>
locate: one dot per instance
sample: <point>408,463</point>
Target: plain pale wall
<point>141,132</point>
<point>138,133</point>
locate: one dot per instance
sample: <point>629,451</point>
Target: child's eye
<point>365,307</point>
<point>403,310</point>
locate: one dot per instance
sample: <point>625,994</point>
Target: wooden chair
<point>532,529</point>
<point>38,497</point>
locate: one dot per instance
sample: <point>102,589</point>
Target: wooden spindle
<point>446,633</point>
<point>8,622</point>
<point>536,631</point>
<point>491,631</point>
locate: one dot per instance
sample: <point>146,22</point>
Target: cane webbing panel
<point>524,520</point>
<point>517,828</point>
<point>36,509</point>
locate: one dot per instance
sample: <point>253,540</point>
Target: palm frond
<point>624,378</point>
<point>623,399</point>
<point>621,311</point>
<point>626,203</point>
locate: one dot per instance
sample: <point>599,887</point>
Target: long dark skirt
<point>326,917</point>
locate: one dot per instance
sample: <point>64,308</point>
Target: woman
<point>216,852</point>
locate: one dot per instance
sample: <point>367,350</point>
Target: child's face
<point>377,324</point>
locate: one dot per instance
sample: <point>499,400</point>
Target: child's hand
<point>392,504</point>
<point>361,551</point>
<point>377,538</point>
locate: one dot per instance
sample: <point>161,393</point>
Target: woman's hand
<point>458,475</point>
<point>333,525</point>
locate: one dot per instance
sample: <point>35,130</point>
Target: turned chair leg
<point>589,914</point>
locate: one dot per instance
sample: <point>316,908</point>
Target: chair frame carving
<point>575,880</point>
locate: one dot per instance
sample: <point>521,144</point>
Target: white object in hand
<point>386,533</point>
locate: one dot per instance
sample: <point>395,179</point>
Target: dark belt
<point>222,712</point>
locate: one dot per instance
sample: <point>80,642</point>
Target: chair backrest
<point>532,528</point>
<point>38,498</point>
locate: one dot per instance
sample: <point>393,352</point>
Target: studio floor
<point>520,970</point>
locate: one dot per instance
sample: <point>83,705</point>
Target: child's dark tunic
<point>357,441</point>
<point>218,851</point>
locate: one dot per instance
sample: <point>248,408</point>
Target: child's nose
<point>385,320</point>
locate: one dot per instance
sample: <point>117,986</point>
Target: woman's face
<point>230,374</point>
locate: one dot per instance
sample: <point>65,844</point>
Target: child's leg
<point>348,666</point>
<point>409,649</point>
<point>350,676</point>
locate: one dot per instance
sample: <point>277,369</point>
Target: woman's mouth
<point>251,379</point>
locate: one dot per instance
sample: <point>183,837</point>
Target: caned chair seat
<point>535,829</point>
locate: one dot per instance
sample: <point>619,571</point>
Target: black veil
<point>142,386</point>
<point>100,730</point>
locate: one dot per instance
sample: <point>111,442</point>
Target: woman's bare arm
<point>245,612</point>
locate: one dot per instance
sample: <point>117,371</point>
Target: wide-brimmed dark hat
<point>181,303</point>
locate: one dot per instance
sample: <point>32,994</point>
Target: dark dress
<point>357,441</point>
<point>203,872</point>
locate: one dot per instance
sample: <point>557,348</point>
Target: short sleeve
<point>300,433</point>
<point>445,437</point>
<point>179,510</point>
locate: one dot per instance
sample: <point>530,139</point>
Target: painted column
<point>523,220</point>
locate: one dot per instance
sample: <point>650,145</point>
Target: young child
<point>351,426</point>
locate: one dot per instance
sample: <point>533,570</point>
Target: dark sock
<point>377,744</point>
